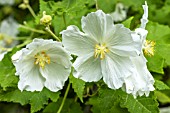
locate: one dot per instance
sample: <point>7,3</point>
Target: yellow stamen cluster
<point>149,48</point>
<point>100,49</point>
<point>41,59</point>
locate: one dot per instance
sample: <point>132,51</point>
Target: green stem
<point>97,7</point>
<point>64,19</point>
<point>31,10</point>
<point>64,99</point>
<point>49,31</point>
<point>23,44</point>
<point>32,29</point>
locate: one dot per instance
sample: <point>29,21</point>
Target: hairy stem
<point>49,31</point>
<point>32,29</point>
<point>31,10</point>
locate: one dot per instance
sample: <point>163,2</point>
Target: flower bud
<point>22,6</point>
<point>46,19</point>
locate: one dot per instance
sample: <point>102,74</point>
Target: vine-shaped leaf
<point>37,100</point>
<point>78,86</point>
<point>140,105</point>
<point>7,72</point>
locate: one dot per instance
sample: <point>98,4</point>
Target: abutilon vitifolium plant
<point>84,56</point>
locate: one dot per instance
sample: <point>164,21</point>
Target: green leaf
<point>110,100</point>
<point>127,22</point>
<point>70,106</point>
<point>160,14</point>
<point>7,72</point>
<point>49,6</point>
<point>160,85</point>
<point>162,97</point>
<point>106,101</point>
<point>141,104</point>
<point>37,100</point>
<point>78,86</point>
<point>160,34</point>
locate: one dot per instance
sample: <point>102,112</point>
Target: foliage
<point>99,98</point>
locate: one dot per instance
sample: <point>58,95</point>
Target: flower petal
<point>31,80</point>
<point>141,81</point>
<point>122,43</point>
<point>77,42</point>
<point>30,77</point>
<point>144,19</point>
<point>55,75</point>
<point>39,45</point>
<point>87,68</point>
<point>60,56</point>
<point>97,24</point>
<point>115,70</point>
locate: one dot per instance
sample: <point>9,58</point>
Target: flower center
<point>149,48</point>
<point>41,59</point>
<point>100,49</point>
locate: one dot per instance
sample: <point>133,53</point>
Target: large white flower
<point>141,82</point>
<point>42,63</point>
<point>8,31</point>
<point>103,49</point>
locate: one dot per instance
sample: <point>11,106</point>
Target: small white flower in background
<point>120,12</point>
<point>43,63</point>
<point>141,82</point>
<point>7,2</point>
<point>8,31</point>
<point>103,49</point>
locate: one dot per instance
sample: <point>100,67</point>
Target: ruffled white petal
<point>60,56</point>
<point>31,81</point>
<point>87,68</point>
<point>115,69</point>
<point>122,43</point>
<point>97,25</point>
<point>77,42</point>
<point>39,45</point>
<point>144,19</point>
<point>17,56</point>
<point>141,81</point>
<point>55,75</point>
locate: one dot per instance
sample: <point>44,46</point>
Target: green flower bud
<point>46,19</point>
<point>22,6</point>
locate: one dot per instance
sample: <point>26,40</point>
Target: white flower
<point>42,63</point>
<point>7,2</point>
<point>8,31</point>
<point>141,82</point>
<point>103,49</point>
<point>120,12</point>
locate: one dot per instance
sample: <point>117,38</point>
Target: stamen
<point>100,49</point>
<point>149,48</point>
<point>41,59</point>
